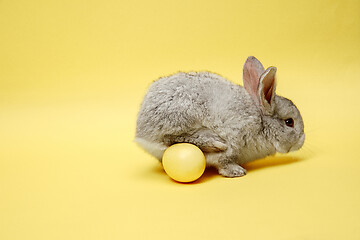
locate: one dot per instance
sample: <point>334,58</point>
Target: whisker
<point>308,150</point>
<point>312,131</point>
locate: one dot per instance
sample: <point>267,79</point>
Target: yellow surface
<point>72,76</point>
<point>184,162</point>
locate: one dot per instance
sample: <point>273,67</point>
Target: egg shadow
<point>208,174</point>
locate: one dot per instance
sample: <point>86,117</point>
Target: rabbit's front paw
<point>232,170</point>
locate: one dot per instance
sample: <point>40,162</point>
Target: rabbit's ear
<point>251,76</point>
<point>266,91</point>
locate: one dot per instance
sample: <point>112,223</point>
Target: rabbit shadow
<point>212,173</point>
<point>271,161</point>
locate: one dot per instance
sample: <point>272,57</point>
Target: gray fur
<point>230,125</point>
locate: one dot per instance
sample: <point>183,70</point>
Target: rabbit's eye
<point>289,122</point>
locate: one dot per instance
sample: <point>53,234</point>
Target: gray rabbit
<point>232,125</point>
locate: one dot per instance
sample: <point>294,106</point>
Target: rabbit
<point>231,124</point>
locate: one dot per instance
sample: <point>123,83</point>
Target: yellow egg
<point>184,162</point>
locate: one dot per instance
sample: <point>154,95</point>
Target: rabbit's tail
<point>154,148</point>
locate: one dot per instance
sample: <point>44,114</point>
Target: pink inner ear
<point>250,82</point>
<point>268,84</point>
<point>268,92</point>
<point>251,76</point>
<point>255,83</point>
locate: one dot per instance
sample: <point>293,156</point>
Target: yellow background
<point>72,77</point>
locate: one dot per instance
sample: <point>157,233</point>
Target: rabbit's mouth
<point>299,144</point>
